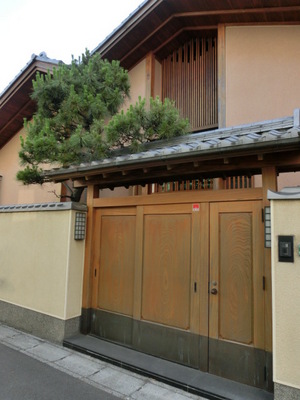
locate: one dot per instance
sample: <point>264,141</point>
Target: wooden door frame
<point>229,357</point>
<point>203,199</point>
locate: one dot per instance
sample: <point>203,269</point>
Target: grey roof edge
<point>59,206</point>
<point>42,57</point>
<point>126,23</point>
<point>288,193</point>
<point>157,149</point>
<point>114,163</point>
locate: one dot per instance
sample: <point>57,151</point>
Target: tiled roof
<point>42,207</point>
<point>219,142</point>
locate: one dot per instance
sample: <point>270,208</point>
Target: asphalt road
<point>24,378</point>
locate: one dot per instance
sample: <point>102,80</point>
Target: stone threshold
<point>185,378</point>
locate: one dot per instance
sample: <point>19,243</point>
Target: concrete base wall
<point>38,324</point>
<point>282,392</point>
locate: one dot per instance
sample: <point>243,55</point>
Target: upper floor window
<point>190,79</point>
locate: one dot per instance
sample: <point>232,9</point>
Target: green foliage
<point>30,175</point>
<point>73,103</point>
<point>161,120</point>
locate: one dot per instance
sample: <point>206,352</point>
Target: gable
<point>15,101</point>
<point>163,26</point>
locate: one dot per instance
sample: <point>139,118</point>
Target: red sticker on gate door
<point>196,207</point>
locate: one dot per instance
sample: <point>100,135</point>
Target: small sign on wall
<point>196,207</point>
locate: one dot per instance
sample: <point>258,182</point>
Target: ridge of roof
<point>41,57</point>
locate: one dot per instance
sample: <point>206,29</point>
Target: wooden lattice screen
<point>177,186</point>
<point>233,182</point>
<point>190,79</point>
<point>239,182</point>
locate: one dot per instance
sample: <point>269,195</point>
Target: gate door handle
<point>214,291</point>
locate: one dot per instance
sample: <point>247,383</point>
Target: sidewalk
<point>101,377</point>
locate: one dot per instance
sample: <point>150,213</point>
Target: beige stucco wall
<point>262,73</point>
<point>137,78</point>
<point>41,263</point>
<point>286,295</point>
<point>14,192</point>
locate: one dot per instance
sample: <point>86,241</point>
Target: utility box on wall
<point>285,213</point>
<point>285,248</point>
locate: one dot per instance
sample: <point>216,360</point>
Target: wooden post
<point>150,76</point>
<point>269,182</point>
<point>222,76</point>
<point>92,193</point>
<point>218,184</point>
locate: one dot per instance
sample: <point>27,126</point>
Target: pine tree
<point>75,103</point>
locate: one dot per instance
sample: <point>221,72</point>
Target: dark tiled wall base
<point>282,392</point>
<point>38,324</point>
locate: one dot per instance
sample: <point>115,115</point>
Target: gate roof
<point>239,150</point>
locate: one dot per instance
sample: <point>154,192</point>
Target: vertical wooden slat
<point>190,79</point>
<point>222,76</point>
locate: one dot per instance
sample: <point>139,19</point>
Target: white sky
<point>61,28</point>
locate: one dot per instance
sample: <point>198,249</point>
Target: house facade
<point>177,253</point>
<point>182,269</point>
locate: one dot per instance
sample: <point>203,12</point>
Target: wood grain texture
<point>269,178</point>
<point>235,278</point>
<point>92,193</point>
<point>190,80</point>
<point>117,258</point>
<point>237,312</point>
<point>182,198</point>
<point>166,270</point>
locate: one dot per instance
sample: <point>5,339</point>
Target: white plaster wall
<point>286,295</point>
<point>41,265</point>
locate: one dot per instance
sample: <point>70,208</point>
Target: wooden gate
<point>180,277</point>
<point>236,302</point>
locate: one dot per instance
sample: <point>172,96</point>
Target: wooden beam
<point>193,14</point>
<point>185,29</point>
<point>92,193</point>
<point>243,11</point>
<point>182,196</point>
<point>14,116</point>
<point>240,162</point>
<point>150,76</point>
<point>269,182</point>
<point>153,32</point>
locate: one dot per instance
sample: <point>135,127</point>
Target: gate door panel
<point>167,270</point>
<point>236,315</point>
<point>117,250</point>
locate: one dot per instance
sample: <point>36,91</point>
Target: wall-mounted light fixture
<point>80,224</point>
